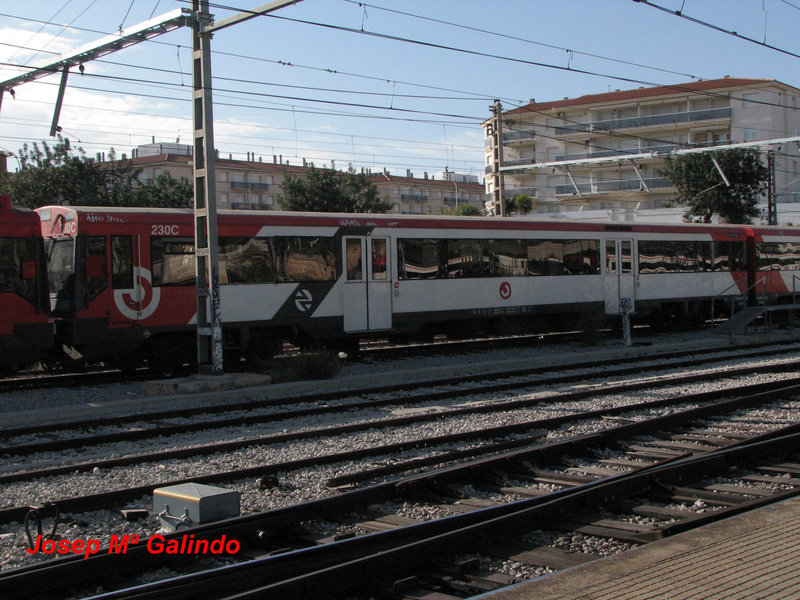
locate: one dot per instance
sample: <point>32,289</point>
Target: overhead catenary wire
<point>611,132</point>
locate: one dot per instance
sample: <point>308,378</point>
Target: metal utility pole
<point>209,307</point>
<point>497,158</point>
<point>772,207</point>
<point>209,311</point>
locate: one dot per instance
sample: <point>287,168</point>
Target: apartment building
<point>588,133</point>
<point>256,184</point>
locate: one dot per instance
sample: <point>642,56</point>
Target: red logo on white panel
<point>505,290</point>
<point>141,301</point>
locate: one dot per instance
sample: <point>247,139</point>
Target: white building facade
<point>616,124</point>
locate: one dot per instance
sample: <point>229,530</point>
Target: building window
<point>223,175</point>
<point>751,134</point>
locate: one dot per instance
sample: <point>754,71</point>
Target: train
<point>120,281</point>
<point>26,331</point>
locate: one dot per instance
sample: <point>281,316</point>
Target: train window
<point>354,260</point>
<point>96,266</point>
<point>468,258</point>
<point>419,258</point>
<point>121,262</point>
<point>61,272</point>
<point>778,256</point>
<point>582,257</point>
<point>611,257</point>
<point>508,258</point>
<point>245,260</point>
<point>378,259</point>
<point>738,256</point>
<point>14,253</point>
<point>545,257</point>
<point>626,256</point>
<point>684,256</point>
<point>172,261</point>
<point>300,259</point>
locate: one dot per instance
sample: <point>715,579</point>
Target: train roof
<point>12,217</point>
<point>95,215</point>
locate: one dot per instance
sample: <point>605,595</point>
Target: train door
<point>130,297</point>
<point>367,289</point>
<point>619,280</point>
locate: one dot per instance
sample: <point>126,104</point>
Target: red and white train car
<point>26,335</point>
<point>775,260</point>
<point>122,279</point>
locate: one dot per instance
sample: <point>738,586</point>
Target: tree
<point>521,203</point>
<point>701,187</point>
<point>328,190</point>
<point>65,175</point>
<point>466,210</point>
<point>166,191</point>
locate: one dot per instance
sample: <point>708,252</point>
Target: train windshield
<point>61,271</point>
<point>16,256</point>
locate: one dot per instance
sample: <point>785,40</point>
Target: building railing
<point>620,152</point>
<point>646,121</point>
<point>251,185</point>
<point>525,191</point>
<point>598,187</point>
<point>519,136</point>
<point>415,197</point>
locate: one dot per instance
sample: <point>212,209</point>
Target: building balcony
<point>512,163</point>
<point>512,138</point>
<point>248,185</point>
<point>601,187</point>
<point>620,152</point>
<point>518,137</point>
<point>690,116</point>
<point>414,197</point>
<point>517,191</point>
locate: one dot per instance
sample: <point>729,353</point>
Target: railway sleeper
<point>658,512</point>
<point>387,523</point>
<point>692,495</point>
<point>411,589</point>
<point>553,558</point>
<point>560,478</point>
<point>683,445</point>
<point>711,440</point>
<point>628,463</point>
<point>599,471</point>
<point>740,489</point>
<point>618,530</point>
<point>743,433</point>
<point>469,579</point>
<point>790,468</point>
<point>778,479</point>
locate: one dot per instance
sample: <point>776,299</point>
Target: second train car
<point>122,279</point>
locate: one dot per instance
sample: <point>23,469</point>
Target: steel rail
<point>58,572</point>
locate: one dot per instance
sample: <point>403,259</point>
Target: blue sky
<point>308,83</point>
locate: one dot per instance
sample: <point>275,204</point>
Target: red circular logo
<point>505,290</point>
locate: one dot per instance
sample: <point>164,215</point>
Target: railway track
<point>35,379</point>
<point>537,472</point>
<point>137,426</point>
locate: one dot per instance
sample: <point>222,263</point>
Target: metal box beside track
<point>194,503</point>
